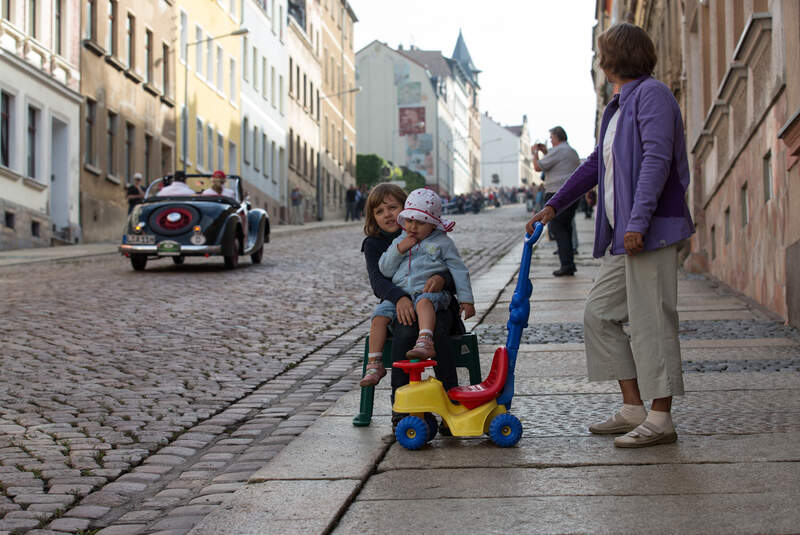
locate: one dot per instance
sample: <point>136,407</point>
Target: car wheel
<point>139,261</point>
<point>178,260</point>
<point>231,261</point>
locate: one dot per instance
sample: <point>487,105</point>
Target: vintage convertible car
<point>195,220</point>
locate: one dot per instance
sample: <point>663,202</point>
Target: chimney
<point>400,46</point>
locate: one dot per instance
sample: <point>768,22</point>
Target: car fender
<point>232,227</point>
<point>257,220</point>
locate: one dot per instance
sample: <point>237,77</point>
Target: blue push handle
<point>537,232</point>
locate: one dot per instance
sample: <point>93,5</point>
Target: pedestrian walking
<point>642,172</point>
<point>136,192</point>
<point>297,206</point>
<point>350,203</point>
<point>558,164</point>
<point>361,200</point>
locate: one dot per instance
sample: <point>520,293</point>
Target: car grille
<point>173,220</point>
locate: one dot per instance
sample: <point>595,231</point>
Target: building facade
<point>735,69</point>
<point>506,154</point>
<point>303,108</point>
<point>337,152</point>
<point>39,123</point>
<point>265,65</point>
<point>128,127</point>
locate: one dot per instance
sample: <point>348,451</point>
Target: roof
<point>433,60</point>
<point>461,55</point>
<point>516,130</point>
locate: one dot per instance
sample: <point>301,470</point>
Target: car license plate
<point>146,239</point>
<point>169,248</point>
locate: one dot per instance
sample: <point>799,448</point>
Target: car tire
<point>139,261</point>
<point>258,255</point>
<point>178,260</point>
<point>231,261</point>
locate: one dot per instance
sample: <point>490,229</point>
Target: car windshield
<point>200,185</point>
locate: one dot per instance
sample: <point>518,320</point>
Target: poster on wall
<point>419,154</point>
<point>400,72</point>
<point>411,120</point>
<point>409,94</point>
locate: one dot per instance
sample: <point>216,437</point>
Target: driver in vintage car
<point>218,186</point>
<point>177,187</point>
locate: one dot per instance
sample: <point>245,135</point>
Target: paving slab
<point>280,507</point>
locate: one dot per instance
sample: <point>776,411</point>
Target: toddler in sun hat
<point>424,249</point>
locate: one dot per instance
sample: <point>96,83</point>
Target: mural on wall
<point>419,154</point>
<point>409,94</point>
<point>411,122</point>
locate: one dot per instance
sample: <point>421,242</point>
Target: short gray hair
<point>559,133</point>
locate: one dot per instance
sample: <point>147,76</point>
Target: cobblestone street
<point>139,401</point>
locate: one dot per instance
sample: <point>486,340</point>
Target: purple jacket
<point>651,171</point>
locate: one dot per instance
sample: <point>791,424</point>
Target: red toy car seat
<point>472,396</point>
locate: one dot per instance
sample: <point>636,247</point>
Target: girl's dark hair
<point>376,196</point>
<point>626,51</point>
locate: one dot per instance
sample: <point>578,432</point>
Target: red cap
<point>218,174</point>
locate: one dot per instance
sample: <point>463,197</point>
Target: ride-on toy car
<point>199,224</point>
<point>475,409</point>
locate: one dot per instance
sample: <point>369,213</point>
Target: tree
<point>369,169</point>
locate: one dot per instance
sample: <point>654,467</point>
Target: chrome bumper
<point>188,250</point>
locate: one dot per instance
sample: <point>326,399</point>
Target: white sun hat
<point>425,206</point>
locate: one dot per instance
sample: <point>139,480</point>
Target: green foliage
<point>412,179</point>
<point>368,169</point>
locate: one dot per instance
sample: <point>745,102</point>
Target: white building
<point>265,66</point>
<point>505,154</point>
<point>40,123</point>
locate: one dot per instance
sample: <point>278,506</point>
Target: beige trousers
<point>641,290</point>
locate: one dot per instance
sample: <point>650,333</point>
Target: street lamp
<point>320,207</point>
<point>240,31</point>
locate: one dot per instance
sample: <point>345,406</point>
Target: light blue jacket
<point>434,254</point>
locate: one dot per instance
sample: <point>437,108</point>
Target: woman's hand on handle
<point>544,217</point>
<point>405,311</point>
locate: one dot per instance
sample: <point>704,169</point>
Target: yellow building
<point>208,74</point>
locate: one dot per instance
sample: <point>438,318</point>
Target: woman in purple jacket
<point>642,173</point>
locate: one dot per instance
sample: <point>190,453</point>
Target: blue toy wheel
<point>433,425</point>
<point>505,430</point>
<point>412,432</point>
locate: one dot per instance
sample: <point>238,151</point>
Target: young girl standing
<point>384,204</point>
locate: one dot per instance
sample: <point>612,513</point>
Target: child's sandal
<point>375,372</point>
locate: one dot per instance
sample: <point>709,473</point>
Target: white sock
<point>661,420</point>
<point>426,331</point>
<point>633,413</point>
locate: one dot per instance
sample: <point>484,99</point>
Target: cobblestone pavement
<point>136,402</point>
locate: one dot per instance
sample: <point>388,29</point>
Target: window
<point>198,133</point>
<point>111,138</point>
<point>311,97</point>
<point>130,136</point>
<point>272,14</point>
<point>728,225</point>
<point>58,26</point>
<point>256,156</point>
<point>220,69</point>
<point>9,219</point>
<point>244,58</point>
<point>7,9</point>
<point>232,9</point>
<point>91,20</point>
<point>232,83</point>
<point>233,162</point>
<point>272,85</point>
<point>209,60</point>
<point>291,75</point>
<point>255,69</point>
<point>291,148</point>
<point>713,239</point>
<point>148,157</point>
<point>35,229</point>
<point>130,29</point>
<point>280,93</point>
<point>32,26</point>
<point>198,52</point>
<point>272,162</point>
<point>245,133</point>
<point>184,34</point>
<point>91,115</point>
<point>264,154</point>
<point>745,207</point>
<point>210,147</point>
<point>184,135</point>
<point>165,88</point>
<point>220,151</point>
<point>767,176</point>
<point>264,77</point>
<point>111,29</point>
<point>33,140</point>
<point>148,56</point>
<point>280,21</point>
<point>5,129</point>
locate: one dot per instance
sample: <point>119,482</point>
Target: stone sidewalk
<point>734,469</point>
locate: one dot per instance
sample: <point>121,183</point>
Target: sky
<point>536,55</point>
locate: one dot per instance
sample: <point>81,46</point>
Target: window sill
<point>92,169</point>
<point>7,172</point>
<point>34,184</point>
<point>150,88</point>
<point>94,47</point>
<point>168,101</point>
<point>114,62</point>
<point>113,179</point>
<point>133,76</point>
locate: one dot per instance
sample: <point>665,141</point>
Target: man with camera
<point>558,164</point>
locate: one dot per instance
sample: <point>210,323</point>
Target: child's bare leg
<point>377,338</point>
<point>426,317</point>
